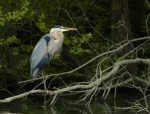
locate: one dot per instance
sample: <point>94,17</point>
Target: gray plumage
<point>40,53</point>
<point>45,49</point>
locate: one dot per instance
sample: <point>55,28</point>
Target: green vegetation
<point>24,22</point>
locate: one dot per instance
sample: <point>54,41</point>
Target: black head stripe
<point>57,26</point>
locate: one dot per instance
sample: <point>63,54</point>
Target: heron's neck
<point>57,36</point>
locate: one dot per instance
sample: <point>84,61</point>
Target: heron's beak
<point>69,29</point>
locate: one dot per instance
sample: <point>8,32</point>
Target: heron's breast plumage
<point>55,46</point>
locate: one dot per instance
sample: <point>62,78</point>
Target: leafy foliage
<point>14,15</point>
<point>8,41</point>
<point>79,44</point>
<point>24,22</point>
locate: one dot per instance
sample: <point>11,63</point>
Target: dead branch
<point>88,62</point>
<point>10,99</point>
<point>69,72</point>
<point>81,87</point>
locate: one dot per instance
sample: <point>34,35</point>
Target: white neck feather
<point>58,39</point>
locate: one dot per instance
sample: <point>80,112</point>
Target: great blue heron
<point>45,49</point>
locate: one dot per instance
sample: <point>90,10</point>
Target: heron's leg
<point>44,80</point>
<point>44,83</point>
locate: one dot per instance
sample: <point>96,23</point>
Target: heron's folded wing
<point>39,51</point>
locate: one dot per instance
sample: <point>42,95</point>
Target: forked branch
<point>80,87</point>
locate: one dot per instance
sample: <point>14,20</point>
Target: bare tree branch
<point>81,87</point>
<point>10,99</point>
<point>88,62</point>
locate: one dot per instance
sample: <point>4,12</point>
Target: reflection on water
<point>7,112</point>
<point>30,108</point>
<point>35,106</point>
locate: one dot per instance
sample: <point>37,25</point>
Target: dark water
<point>64,106</point>
<point>30,107</point>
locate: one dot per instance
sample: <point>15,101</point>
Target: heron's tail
<point>35,73</point>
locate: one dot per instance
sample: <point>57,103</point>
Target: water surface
<point>35,105</point>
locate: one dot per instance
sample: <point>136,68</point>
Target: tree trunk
<point>120,20</point>
<point>121,27</point>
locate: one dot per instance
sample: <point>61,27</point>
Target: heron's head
<point>58,28</point>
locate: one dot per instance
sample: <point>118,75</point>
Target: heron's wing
<point>39,52</point>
